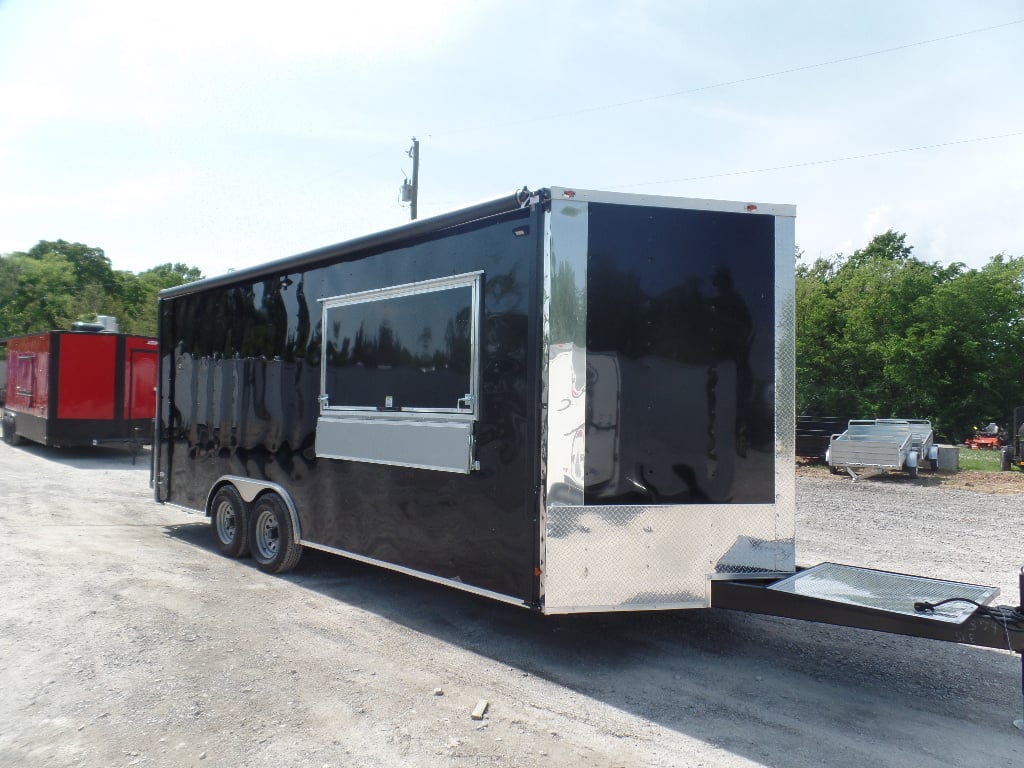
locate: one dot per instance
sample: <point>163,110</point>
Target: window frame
<point>471,409</point>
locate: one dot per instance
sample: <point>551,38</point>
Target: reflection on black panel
<point>408,351</point>
<point>680,357</point>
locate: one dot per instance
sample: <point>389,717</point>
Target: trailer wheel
<point>229,517</point>
<point>912,471</point>
<point>1004,459</point>
<point>10,434</point>
<point>271,536</point>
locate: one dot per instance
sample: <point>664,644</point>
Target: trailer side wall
<point>242,370</point>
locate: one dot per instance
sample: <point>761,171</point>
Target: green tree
<point>140,294</point>
<point>55,283</point>
<point>883,334</point>
<point>90,265</point>
<point>973,349</point>
<point>42,294</point>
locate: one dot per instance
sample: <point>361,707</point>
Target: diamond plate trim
<point>650,557</point>
<point>885,591</point>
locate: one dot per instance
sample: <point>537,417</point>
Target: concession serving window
<point>399,374</point>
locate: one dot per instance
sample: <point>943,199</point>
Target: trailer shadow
<point>120,457</point>
<point>764,688</point>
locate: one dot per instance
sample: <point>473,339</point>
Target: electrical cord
<point>1011,618</point>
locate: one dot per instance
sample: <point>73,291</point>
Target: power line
<point>825,162</point>
<point>738,81</point>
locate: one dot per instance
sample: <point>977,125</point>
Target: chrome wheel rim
<point>268,535</point>
<point>227,522</point>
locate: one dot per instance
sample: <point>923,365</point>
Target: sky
<point>226,134</point>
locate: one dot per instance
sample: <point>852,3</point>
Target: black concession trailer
<point>563,399</point>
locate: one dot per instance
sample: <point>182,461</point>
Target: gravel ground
<point>127,640</point>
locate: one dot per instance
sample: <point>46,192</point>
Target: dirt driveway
<point>126,639</point>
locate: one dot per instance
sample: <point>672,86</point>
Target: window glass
<point>401,349</point>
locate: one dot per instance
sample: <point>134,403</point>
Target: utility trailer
<point>75,388</point>
<point>567,400</point>
<point>895,444</point>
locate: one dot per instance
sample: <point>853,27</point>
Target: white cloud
<point>300,29</point>
<point>877,221</point>
<point>250,130</point>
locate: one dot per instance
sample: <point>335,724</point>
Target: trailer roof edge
<point>674,201</point>
<point>520,199</point>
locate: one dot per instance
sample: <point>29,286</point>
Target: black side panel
<point>241,367</point>
<point>680,356</point>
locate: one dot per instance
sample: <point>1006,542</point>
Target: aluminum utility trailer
<point>563,399</point>
<point>897,444</point>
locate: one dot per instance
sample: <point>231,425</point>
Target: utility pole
<point>414,190</point>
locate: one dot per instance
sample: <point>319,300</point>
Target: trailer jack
<point>1020,608</point>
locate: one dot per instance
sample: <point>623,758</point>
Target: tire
<point>272,536</point>
<point>229,518</point>
<point>912,471</point>
<point>1004,459</point>
<point>10,434</point>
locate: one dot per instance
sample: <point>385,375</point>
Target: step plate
<point>885,591</point>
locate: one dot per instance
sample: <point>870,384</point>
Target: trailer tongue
<point>849,596</point>
<point>896,603</point>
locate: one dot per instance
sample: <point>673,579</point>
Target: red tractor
<point>989,438</point>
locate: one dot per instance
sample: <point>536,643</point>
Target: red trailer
<point>68,388</point>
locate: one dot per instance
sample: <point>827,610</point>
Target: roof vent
<point>109,322</point>
<point>80,327</point>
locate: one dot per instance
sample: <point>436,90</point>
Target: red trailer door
<point>28,374</point>
<point>140,380</point>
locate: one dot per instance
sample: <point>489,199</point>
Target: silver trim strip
<point>628,608</point>
<point>749,575</point>
<point>661,201</point>
<point>445,446</point>
<point>564,350</point>
<point>405,289</point>
<point>418,574</point>
<point>785,382</point>
<point>183,507</point>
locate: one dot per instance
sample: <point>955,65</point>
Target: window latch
<point>323,400</point>
<point>465,403</point>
